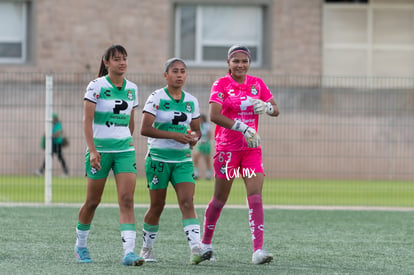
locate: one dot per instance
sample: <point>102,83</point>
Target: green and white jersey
<point>171,115</point>
<point>112,114</point>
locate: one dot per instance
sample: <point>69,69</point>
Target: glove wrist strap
<point>269,108</point>
<point>239,126</point>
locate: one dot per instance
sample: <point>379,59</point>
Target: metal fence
<point>328,128</point>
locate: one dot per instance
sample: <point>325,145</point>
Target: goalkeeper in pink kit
<point>236,101</point>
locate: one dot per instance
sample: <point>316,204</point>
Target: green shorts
<point>160,173</point>
<point>204,148</point>
<point>120,162</point>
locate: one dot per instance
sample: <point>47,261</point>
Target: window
<point>13,32</point>
<point>375,39</point>
<point>346,1</point>
<point>203,33</point>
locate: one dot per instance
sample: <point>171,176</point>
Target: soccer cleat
<point>147,254</point>
<point>205,247</point>
<point>82,254</point>
<point>198,255</point>
<point>261,257</point>
<point>132,259</point>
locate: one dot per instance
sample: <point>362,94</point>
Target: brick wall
<point>71,37</point>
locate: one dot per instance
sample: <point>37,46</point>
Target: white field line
<point>282,207</point>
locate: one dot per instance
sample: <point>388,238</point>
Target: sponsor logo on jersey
<point>166,105</point>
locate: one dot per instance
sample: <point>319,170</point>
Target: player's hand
<point>183,138</point>
<point>260,107</point>
<point>252,138</point>
<point>194,141</point>
<point>95,160</point>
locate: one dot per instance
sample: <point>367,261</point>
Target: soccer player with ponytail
<point>108,125</point>
<point>236,101</point>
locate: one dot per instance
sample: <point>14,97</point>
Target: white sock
<point>128,240</point>
<point>81,238</point>
<point>148,238</point>
<point>193,235</point>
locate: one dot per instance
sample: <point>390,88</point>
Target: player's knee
<point>186,203</point>
<point>92,204</point>
<point>126,201</point>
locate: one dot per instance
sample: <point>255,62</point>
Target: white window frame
<point>200,42</point>
<point>22,38</point>
<point>369,46</point>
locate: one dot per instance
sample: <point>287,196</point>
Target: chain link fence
<point>328,128</point>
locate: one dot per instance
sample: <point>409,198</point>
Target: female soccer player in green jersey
<point>171,121</point>
<point>109,104</point>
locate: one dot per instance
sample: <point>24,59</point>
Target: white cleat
<point>261,257</point>
<point>148,255</point>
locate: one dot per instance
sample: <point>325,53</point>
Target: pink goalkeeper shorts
<point>238,164</point>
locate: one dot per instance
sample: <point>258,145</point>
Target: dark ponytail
<point>107,55</point>
<point>102,69</point>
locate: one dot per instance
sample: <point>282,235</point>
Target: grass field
<point>276,192</point>
<point>40,240</point>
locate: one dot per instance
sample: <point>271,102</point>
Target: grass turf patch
<point>275,192</point>
<point>40,240</point>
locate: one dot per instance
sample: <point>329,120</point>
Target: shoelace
<point>85,254</point>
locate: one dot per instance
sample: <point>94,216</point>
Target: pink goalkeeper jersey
<point>236,104</point>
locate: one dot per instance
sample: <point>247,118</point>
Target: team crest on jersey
<point>188,107</point>
<point>130,96</point>
<point>253,90</point>
<point>155,180</point>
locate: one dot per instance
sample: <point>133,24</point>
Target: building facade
<point>70,36</point>
<point>287,37</point>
